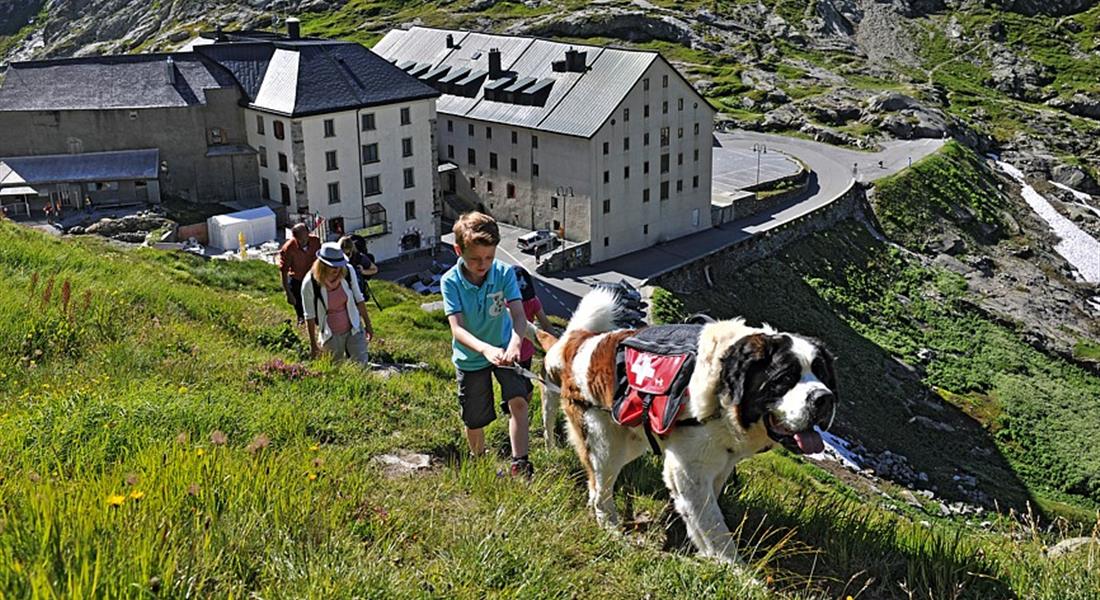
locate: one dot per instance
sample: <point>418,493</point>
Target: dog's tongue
<point>809,442</point>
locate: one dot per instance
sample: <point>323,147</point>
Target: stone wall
<point>693,276</point>
<point>562,259</point>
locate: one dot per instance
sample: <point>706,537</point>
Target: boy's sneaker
<point>523,467</point>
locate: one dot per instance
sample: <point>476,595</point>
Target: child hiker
<point>334,308</point>
<point>484,308</point>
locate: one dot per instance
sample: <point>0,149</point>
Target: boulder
<point>892,102</point>
<point>1078,104</point>
<point>1075,177</point>
<point>1070,546</point>
<point>1018,77</point>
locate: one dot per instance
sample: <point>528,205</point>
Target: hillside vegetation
<point>161,439</point>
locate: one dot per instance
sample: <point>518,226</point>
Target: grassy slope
<point>120,394</point>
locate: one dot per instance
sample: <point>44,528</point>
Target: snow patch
<point>1080,249</point>
<point>838,449</point>
<point>1082,197</point>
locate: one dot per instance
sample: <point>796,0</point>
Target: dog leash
<point>529,375</point>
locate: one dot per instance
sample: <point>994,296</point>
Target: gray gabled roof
<point>110,82</point>
<point>124,165</point>
<point>573,103</point>
<point>307,76</point>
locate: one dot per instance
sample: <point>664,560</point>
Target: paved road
<point>735,167</point>
<point>833,169</point>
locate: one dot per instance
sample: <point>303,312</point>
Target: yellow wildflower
<point>312,476</point>
<point>136,495</point>
<point>183,390</point>
<point>315,447</point>
<point>115,500</point>
<point>200,452</point>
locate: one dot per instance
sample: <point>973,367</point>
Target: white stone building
<point>339,133</point>
<point>611,145</point>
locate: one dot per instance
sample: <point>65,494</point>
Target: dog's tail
<point>597,312</point>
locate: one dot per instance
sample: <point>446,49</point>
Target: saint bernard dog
<point>750,389</point>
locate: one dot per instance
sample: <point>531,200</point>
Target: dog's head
<point>784,383</point>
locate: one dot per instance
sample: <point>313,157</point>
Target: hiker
<point>361,263</point>
<point>484,307</point>
<point>335,309</point>
<point>532,310</point>
<point>295,259</point>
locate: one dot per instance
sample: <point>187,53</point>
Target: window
<point>664,163</point>
<point>607,176</point>
<point>664,190</point>
<point>606,148</point>
<point>511,190</point>
<point>645,111</point>
<point>696,128</point>
<point>645,195</point>
<point>489,187</point>
<point>367,122</point>
<point>473,184</point>
<point>626,115</point>
<point>330,161</point>
<point>330,128</point>
<point>679,132</point>
<point>557,225</point>
<point>664,81</point>
<point>370,153</point>
<point>471,156</point>
<point>606,242</point>
<point>607,206</point>
<point>695,181</point>
<point>260,124</point>
<point>645,168</point>
<point>372,186</point>
<point>488,132</point>
<point>645,84</point>
<point>554,204</point>
<point>534,141</point>
<point>334,193</point>
<point>645,139</point>
<point>645,229</point>
<point>534,169</point>
<point>409,180</point>
<point>284,193</point>
<point>282,162</point>
<point>664,136</point>
<point>513,165</point>
<point>626,144</point>
<point>450,126</point>
<point>265,189</point>
<point>679,185</point>
<point>664,107</point>
<point>450,151</point>
<point>263,156</point>
<point>680,158</point>
<point>277,129</point>
<point>470,129</point>
<point>492,160</point>
<point>515,138</point>
<point>626,172</point>
<point>406,147</point>
<point>406,116</point>
<point>695,154</point>
<point>680,104</point>
<point>410,210</point>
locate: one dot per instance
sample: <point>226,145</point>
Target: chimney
<point>494,64</point>
<point>575,60</point>
<point>170,70</point>
<point>450,40</point>
<point>293,28</point>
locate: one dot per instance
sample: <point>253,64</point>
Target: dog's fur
<point>751,388</point>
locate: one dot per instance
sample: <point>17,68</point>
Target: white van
<point>542,240</point>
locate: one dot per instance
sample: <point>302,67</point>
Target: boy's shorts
<point>475,393</point>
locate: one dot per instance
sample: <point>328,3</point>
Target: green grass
<point>152,448</point>
<point>912,205</point>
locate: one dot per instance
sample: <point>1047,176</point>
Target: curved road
<point>833,172</point>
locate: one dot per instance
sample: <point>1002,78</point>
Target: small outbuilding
<point>257,225</point>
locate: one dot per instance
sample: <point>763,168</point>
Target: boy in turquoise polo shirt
<point>485,310</point>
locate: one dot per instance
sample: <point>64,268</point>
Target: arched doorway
<point>411,240</point>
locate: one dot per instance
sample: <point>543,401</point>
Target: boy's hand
<point>511,355</point>
<point>494,355</point>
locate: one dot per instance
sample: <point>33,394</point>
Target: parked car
<point>541,239</point>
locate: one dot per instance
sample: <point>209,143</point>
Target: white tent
<point>257,224</point>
